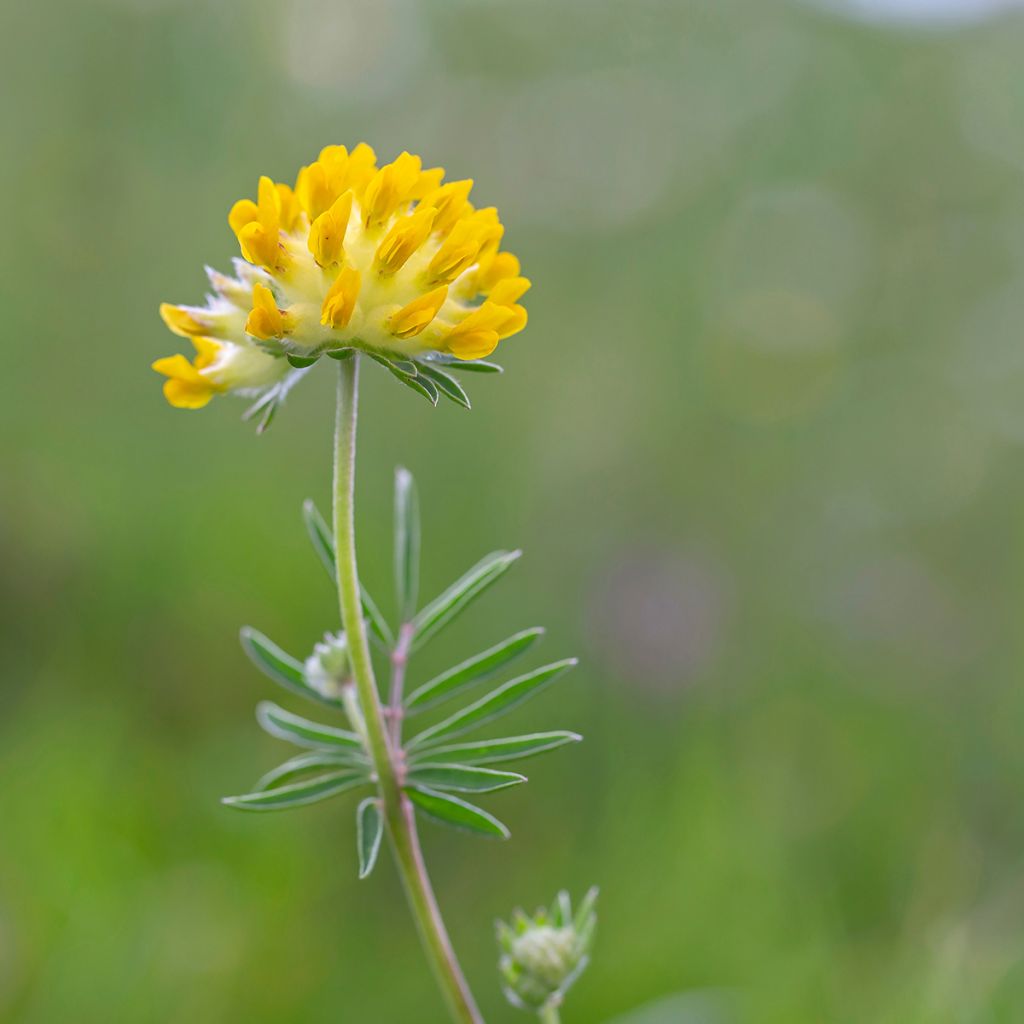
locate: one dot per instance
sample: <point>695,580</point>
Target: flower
<point>543,956</point>
<point>391,260</point>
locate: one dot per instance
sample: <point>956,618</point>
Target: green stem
<point>549,1014</point>
<point>398,811</point>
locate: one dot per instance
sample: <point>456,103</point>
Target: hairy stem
<point>398,811</point>
<point>549,1014</point>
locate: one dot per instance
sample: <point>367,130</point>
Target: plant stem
<point>398,811</point>
<point>549,1014</point>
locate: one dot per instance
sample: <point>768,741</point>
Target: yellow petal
<point>503,321</point>
<point>413,318</point>
<point>177,367</point>
<point>269,204</point>
<point>427,182</point>
<point>327,234</point>
<point>265,321</point>
<point>458,251</point>
<point>260,246</point>
<point>451,202</point>
<point>361,167</point>
<point>509,291</point>
<point>243,212</point>
<point>514,322</point>
<point>207,351</point>
<point>289,207</point>
<point>188,394</point>
<point>404,238</point>
<point>340,302</point>
<point>389,188</point>
<point>496,267</point>
<point>182,320</point>
<point>333,155</point>
<point>473,344</point>
<point>311,189</point>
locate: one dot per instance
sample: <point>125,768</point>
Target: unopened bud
<point>543,955</point>
<point>327,668</point>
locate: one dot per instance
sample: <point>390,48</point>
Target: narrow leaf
<point>472,670</point>
<point>300,362</point>
<point>446,384</point>
<point>585,911</point>
<point>297,795</point>
<point>341,354</point>
<point>322,538</point>
<point>269,412</point>
<point>472,365</point>
<point>369,832</point>
<point>460,778</point>
<point>477,366</point>
<point>319,534</point>
<point>407,543</point>
<point>450,810</point>
<point>497,702</point>
<point>285,670</point>
<point>303,764</point>
<point>446,606</point>
<point>375,619</point>
<point>511,748</point>
<point>407,373</point>
<point>394,365</point>
<point>562,910</point>
<point>301,731</point>
<point>421,385</point>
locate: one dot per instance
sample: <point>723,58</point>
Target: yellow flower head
<point>388,259</point>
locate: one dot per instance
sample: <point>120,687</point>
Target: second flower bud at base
<point>543,955</point>
<point>328,668</point>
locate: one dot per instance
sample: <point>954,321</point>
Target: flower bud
<point>543,955</point>
<point>327,668</point>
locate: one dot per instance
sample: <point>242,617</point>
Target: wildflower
<point>390,260</point>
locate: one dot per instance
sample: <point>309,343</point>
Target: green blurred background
<point>761,443</point>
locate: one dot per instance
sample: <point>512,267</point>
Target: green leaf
<point>280,666</point>
<point>406,372</point>
<point>265,407</point>
<point>420,385</point>
<point>319,534</point>
<point>297,795</point>
<point>450,810</point>
<point>369,832</point>
<point>561,910</point>
<point>472,670</point>
<point>585,911</point>
<point>407,543</point>
<point>322,539</point>
<point>300,362</point>
<point>446,385</point>
<point>510,748</point>
<point>341,353</point>
<point>301,731</point>
<point>446,606</point>
<point>497,702</point>
<point>303,764</point>
<point>403,366</point>
<point>460,778</point>
<point>472,365</point>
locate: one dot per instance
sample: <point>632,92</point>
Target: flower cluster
<point>390,259</point>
